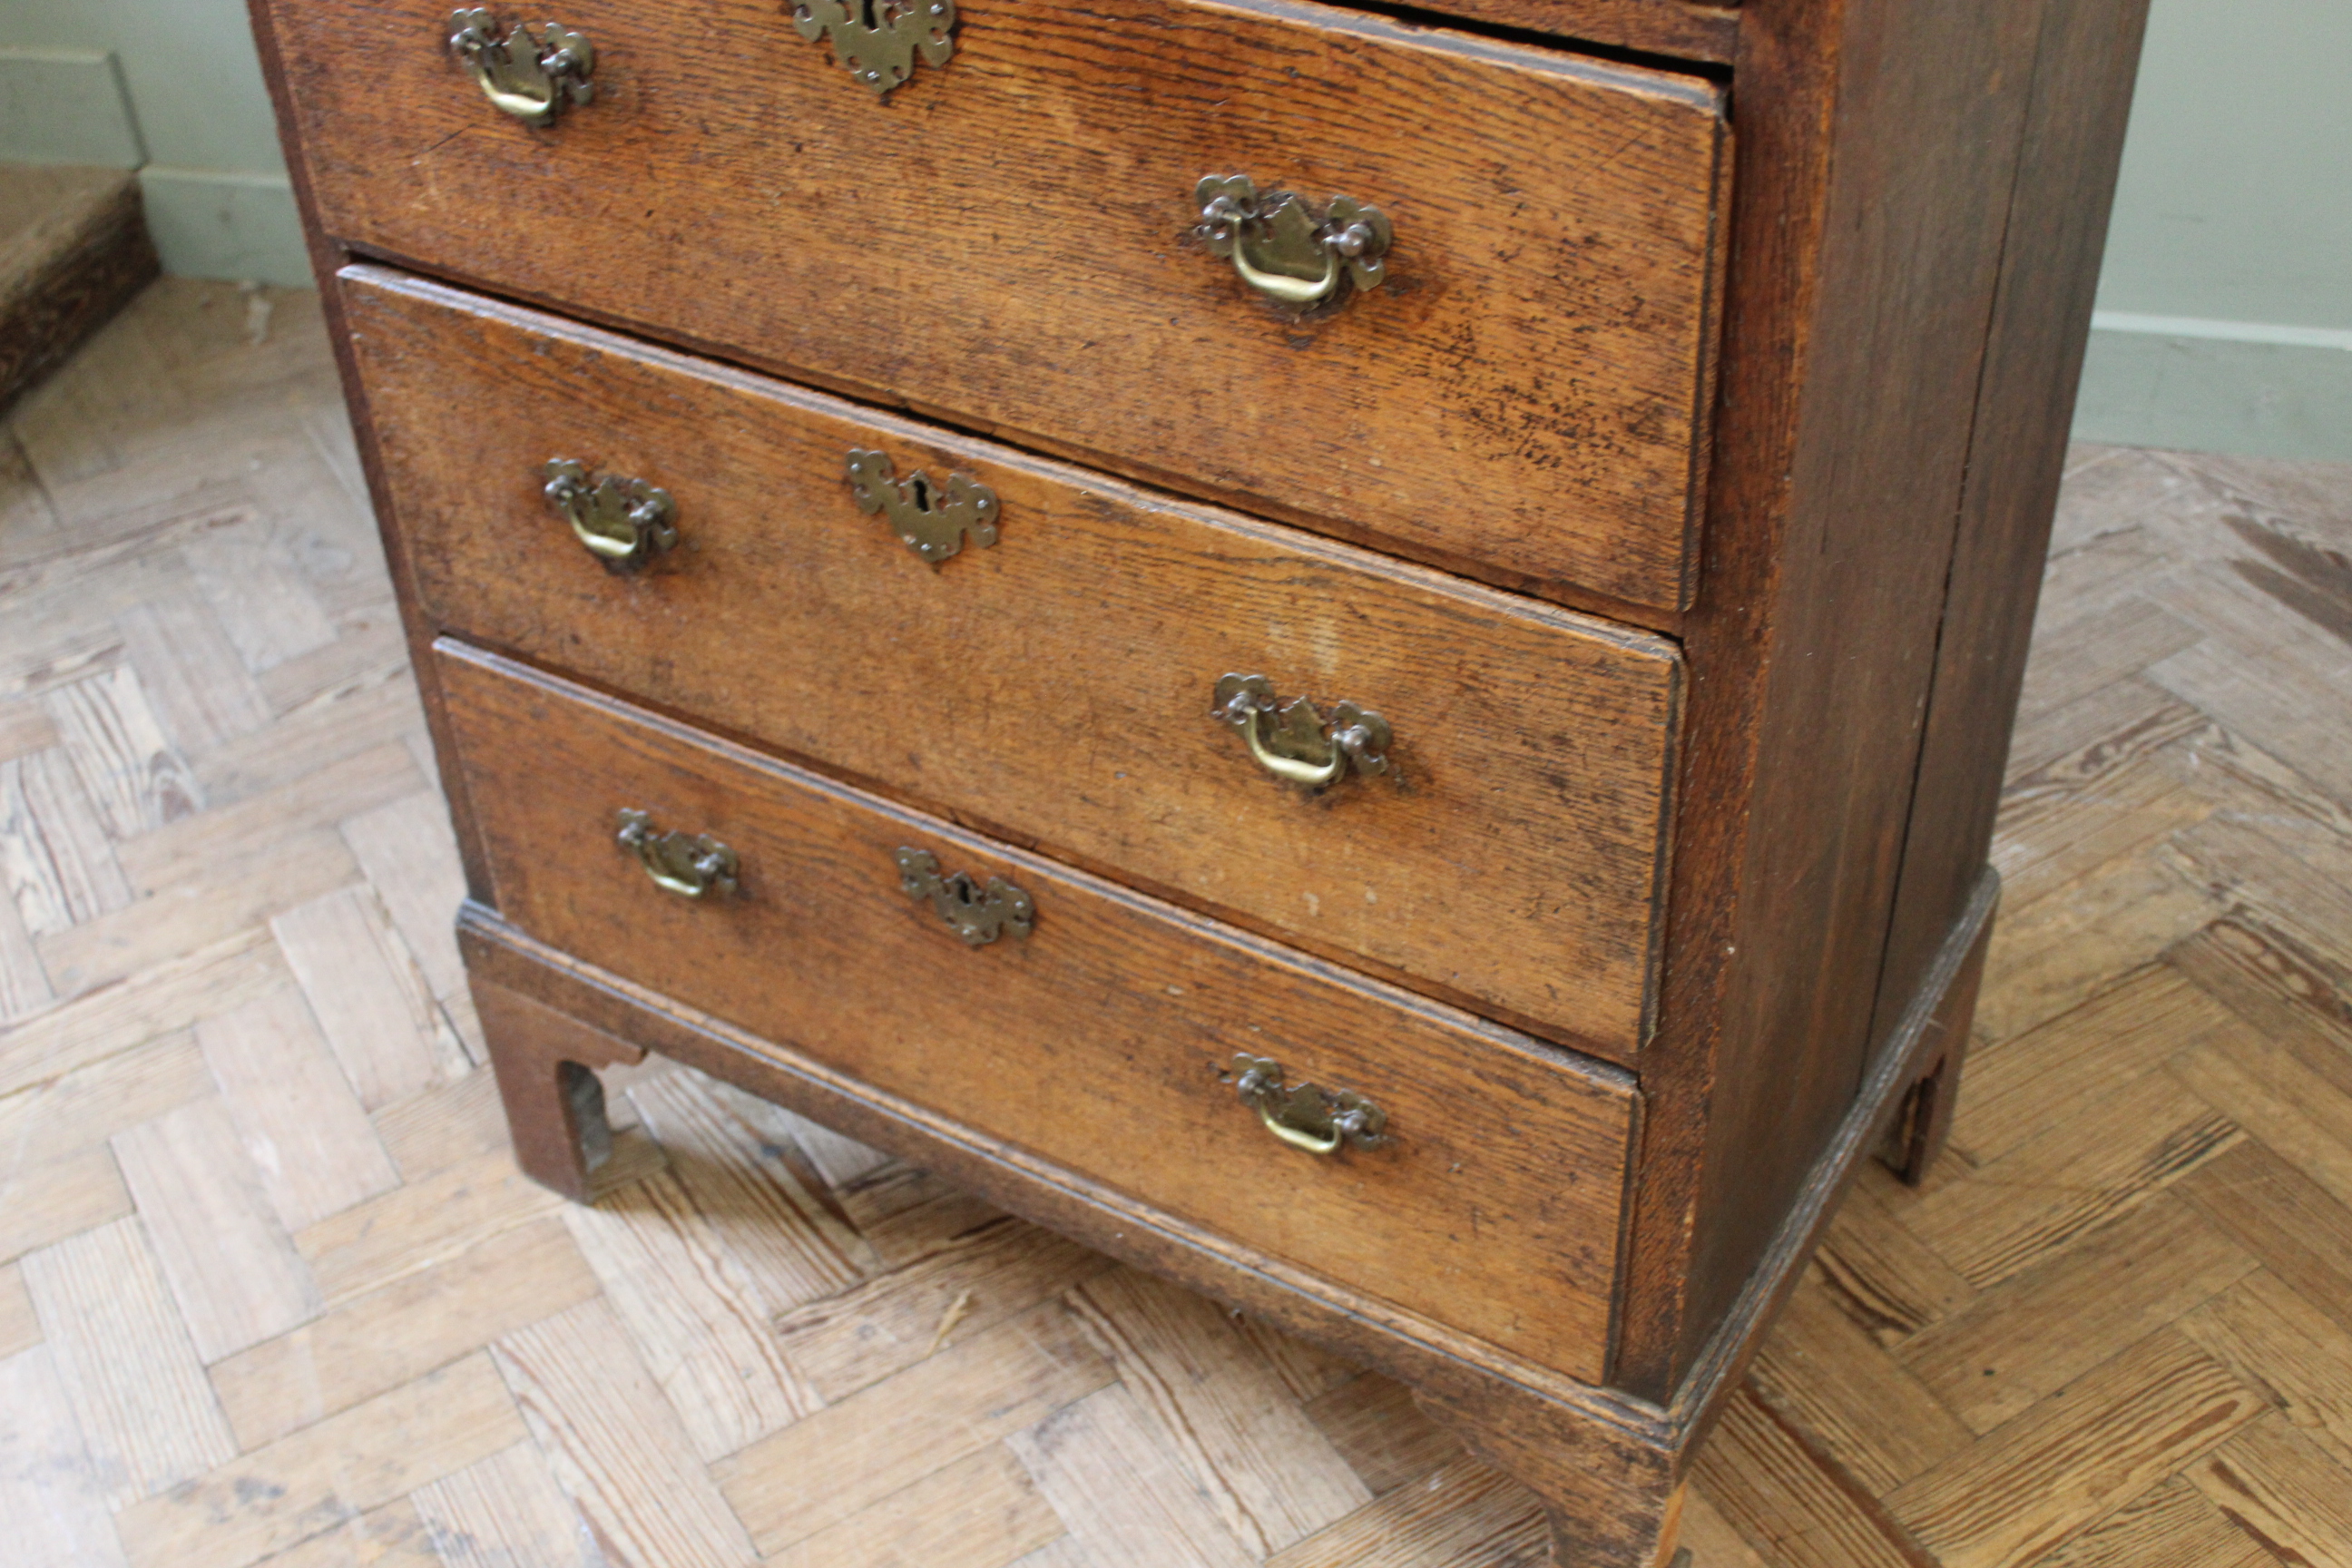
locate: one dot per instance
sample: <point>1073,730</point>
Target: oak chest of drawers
<point>1362,657</point>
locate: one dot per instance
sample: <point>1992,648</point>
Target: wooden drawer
<point>1004,240</point>
<point>1103,1041</point>
<point>1055,688</point>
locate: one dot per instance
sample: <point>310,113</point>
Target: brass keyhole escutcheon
<point>1282,250</point>
<point>933,520</point>
<point>692,866</point>
<point>977,912</point>
<point>533,72</point>
<point>880,40</point>
<point>622,521</point>
<point>1307,1116</point>
<point>1292,741</point>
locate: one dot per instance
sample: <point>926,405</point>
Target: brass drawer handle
<point>624,522</point>
<point>1304,1115</point>
<point>878,40</point>
<point>533,72</point>
<point>1291,741</point>
<point>977,914</point>
<point>1282,250</point>
<point>929,519</point>
<point>692,867</point>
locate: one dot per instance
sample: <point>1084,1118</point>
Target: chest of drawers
<point>1363,658</point>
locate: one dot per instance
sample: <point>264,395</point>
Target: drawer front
<point>1103,1041</point>
<point>1058,686</point>
<point>1005,239</point>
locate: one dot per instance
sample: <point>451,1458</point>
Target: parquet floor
<point>271,1290</point>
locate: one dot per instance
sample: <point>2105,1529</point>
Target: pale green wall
<point>218,200</point>
<point>2225,310</point>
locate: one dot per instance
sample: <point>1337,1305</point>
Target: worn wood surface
<point>1684,29</point>
<point>2073,144</point>
<point>1879,147</point>
<point>2190,947</point>
<point>1506,1159</point>
<point>1526,396</point>
<point>1055,688</point>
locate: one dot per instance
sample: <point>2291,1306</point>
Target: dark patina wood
<point>1055,688</point>
<point>1905,272</point>
<point>1526,394</point>
<point>1105,1041</point>
<point>1679,28</point>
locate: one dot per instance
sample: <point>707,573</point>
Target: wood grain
<point>1877,162</point>
<point>50,1493</point>
<point>2283,1346</point>
<point>504,1512</point>
<point>1123,1494</point>
<point>288,1492</point>
<point>1057,687</point>
<point>2140,1417</point>
<point>126,1363</point>
<point>820,903</point>
<point>1267,1474</point>
<point>370,998</point>
<point>980,1512</point>
<point>54,855</point>
<point>1373,1423</point>
<point>1462,1514</point>
<point>2037,1331</point>
<point>135,775</point>
<point>790,1245</point>
<point>615,1445</point>
<point>1527,396</point>
<point>1683,29</point>
<point>406,848</point>
<point>2171,1525</point>
<point>2283,1490</point>
<point>60,1199</point>
<point>813,1475</point>
<point>232,1266</point>
<point>373,1343</point>
<point>984,1277</point>
<point>295,1115</point>
<point>697,1315</point>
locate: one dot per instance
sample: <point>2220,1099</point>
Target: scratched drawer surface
<point>1494,839</point>
<point>1009,239</point>
<point>1478,1171</point>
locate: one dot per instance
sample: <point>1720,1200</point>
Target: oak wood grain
<point>1055,688</point>
<point>1685,30</point>
<point>1526,394</point>
<point>1531,1137</point>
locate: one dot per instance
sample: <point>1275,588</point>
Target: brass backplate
<point>978,913</point>
<point>932,520</point>
<point>879,40</point>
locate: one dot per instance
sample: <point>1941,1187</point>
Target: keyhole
<point>865,14</point>
<point>922,488</point>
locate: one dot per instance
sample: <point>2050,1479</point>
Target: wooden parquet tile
<point>272,1292</point>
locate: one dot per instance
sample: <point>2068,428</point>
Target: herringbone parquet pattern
<point>271,1290</point>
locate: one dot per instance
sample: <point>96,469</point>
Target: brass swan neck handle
<point>533,72</point>
<point>1292,741</point>
<point>1279,247</point>
<point>1307,1116</point>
